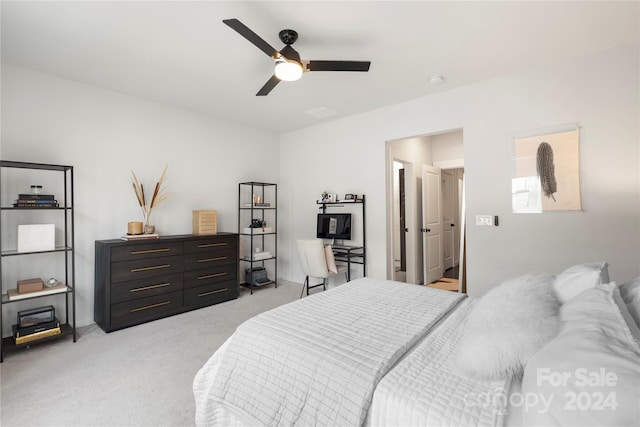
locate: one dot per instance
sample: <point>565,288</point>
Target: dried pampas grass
<point>158,196</point>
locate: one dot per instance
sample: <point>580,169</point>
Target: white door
<point>432,223</point>
<point>448,215</point>
<point>458,177</point>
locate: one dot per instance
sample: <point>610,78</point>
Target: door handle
<point>453,225</point>
<point>406,230</point>
<point>425,230</point>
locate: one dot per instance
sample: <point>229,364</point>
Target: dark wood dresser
<point>144,280</point>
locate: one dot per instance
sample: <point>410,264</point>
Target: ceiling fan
<point>288,65</point>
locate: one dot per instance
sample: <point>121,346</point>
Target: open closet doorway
<point>443,152</point>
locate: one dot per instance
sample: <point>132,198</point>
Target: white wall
<point>348,155</point>
<point>105,135</point>
<point>447,149</point>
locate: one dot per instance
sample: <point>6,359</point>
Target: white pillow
<point>331,262</point>
<point>630,293</point>
<point>589,375</point>
<point>508,325</point>
<point>578,278</point>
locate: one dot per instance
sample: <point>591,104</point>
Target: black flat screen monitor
<point>334,226</point>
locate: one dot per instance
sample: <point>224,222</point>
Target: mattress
<point>317,361</point>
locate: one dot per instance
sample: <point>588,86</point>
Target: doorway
<point>405,225</point>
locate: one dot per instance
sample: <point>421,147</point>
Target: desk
<point>351,254</point>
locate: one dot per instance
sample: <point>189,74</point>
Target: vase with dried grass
<point>159,195</point>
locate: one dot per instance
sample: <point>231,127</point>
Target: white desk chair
<point>316,261</point>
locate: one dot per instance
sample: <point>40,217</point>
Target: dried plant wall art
<point>546,172</point>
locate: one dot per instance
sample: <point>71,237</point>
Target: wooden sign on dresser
<point>144,280</point>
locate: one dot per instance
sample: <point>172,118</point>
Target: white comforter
<point>318,360</point>
<point>426,389</point>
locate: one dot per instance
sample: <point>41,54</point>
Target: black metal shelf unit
<point>350,254</point>
<point>7,344</point>
<point>258,201</point>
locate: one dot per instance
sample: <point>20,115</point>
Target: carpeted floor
<point>139,376</point>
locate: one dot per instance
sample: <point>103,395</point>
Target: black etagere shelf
<point>258,201</point>
<point>66,207</point>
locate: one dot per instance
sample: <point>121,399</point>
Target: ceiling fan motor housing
<point>288,36</point>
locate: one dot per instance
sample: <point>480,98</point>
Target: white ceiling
<point>181,54</point>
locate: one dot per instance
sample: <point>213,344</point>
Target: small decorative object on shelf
<point>158,196</point>
<point>328,197</point>
<point>36,237</point>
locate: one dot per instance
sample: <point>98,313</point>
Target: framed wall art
<point>546,171</point>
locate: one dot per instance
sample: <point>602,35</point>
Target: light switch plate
<point>484,219</point>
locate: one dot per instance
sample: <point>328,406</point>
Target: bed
<point>376,352</point>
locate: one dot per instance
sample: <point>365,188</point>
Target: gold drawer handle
<point>155,267</point>
<point>211,245</point>
<point>208,276</point>
<point>204,294</point>
<point>147,307</point>
<point>146,288</point>
<point>150,251</point>
<point>212,259</point>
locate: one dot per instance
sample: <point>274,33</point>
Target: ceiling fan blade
<point>248,34</point>
<point>268,86</point>
<point>339,65</point>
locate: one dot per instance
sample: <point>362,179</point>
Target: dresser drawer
<point>146,309</point>
<point>143,268</point>
<point>210,259</point>
<point>207,245</point>
<point>210,275</point>
<point>151,250</point>
<point>211,294</point>
<point>143,288</point>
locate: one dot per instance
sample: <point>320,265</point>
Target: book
<point>140,236</point>
<point>36,196</point>
<point>35,205</point>
<point>257,205</point>
<point>13,294</point>
<point>38,335</point>
<point>258,230</point>
<point>23,332</point>
<point>259,256</point>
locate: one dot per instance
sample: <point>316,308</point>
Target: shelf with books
<point>9,343</point>
<point>56,208</point>
<point>258,229</point>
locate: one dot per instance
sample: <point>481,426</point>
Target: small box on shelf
<point>30,285</point>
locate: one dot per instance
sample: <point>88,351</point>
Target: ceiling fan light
<point>288,70</point>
